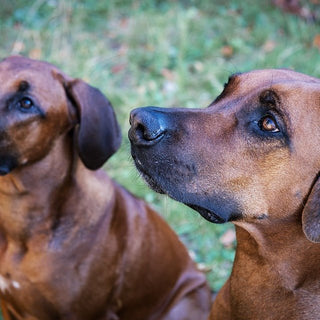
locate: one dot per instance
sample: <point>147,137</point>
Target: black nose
<point>148,126</point>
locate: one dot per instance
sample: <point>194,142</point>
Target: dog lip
<point>4,170</point>
<point>206,213</point>
<point>7,164</point>
<point>148,179</point>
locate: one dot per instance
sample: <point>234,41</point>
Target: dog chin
<point>149,181</point>
<point>152,184</point>
<point>206,213</point>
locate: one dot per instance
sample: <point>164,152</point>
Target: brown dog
<point>74,244</point>
<point>252,158</point>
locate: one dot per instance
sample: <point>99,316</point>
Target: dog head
<point>38,103</point>
<point>251,156</point>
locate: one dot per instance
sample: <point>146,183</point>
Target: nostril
<point>140,130</point>
<point>151,134</point>
<point>147,133</point>
<point>146,127</point>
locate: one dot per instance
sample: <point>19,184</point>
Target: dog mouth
<point>206,213</point>
<point>7,164</point>
<point>146,177</point>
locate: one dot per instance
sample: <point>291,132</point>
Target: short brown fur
<point>252,157</point>
<point>73,243</point>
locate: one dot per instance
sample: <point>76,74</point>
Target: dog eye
<point>25,103</point>
<point>268,124</point>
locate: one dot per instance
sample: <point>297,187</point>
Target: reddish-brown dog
<point>73,243</point>
<point>252,158</point>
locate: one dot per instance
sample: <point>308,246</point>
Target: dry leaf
<point>124,23</point>
<point>168,74</point>
<point>198,65</point>
<point>35,53</point>
<point>117,68</point>
<point>316,41</point>
<point>228,238</point>
<point>269,46</point>
<point>18,46</point>
<point>227,51</point>
<point>203,267</point>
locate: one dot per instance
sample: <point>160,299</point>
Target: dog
<point>250,158</point>
<point>73,243</point>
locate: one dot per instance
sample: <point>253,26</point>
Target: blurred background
<point>165,53</point>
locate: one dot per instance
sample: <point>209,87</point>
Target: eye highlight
<point>25,103</point>
<point>268,124</point>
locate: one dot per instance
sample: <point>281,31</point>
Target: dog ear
<point>99,135</point>
<point>311,214</point>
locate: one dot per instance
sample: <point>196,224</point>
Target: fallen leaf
<point>35,53</point>
<point>227,51</point>
<point>228,238</point>
<point>168,74</point>
<point>203,267</point>
<point>117,68</point>
<point>316,41</point>
<point>18,46</point>
<point>269,46</point>
<point>124,23</point>
<point>198,66</point>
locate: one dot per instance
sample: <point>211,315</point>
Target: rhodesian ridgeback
<point>251,158</point>
<point>74,245</point>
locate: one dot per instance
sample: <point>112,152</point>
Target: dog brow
<point>23,85</point>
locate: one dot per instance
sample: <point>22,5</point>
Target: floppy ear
<point>99,136</point>
<point>311,214</point>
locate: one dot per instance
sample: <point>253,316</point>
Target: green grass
<point>164,53</point>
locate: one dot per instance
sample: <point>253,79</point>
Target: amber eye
<point>25,103</point>
<point>268,124</point>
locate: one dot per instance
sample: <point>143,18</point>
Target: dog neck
<point>281,247</point>
<point>34,199</point>
<point>25,192</point>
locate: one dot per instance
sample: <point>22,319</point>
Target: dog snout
<point>148,126</point>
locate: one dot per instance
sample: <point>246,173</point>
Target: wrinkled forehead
<point>271,76</point>
<point>246,85</point>
<point>34,76</point>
